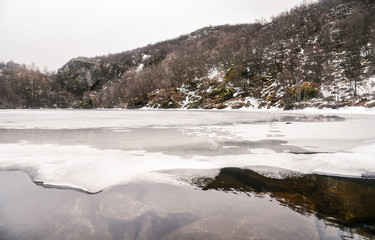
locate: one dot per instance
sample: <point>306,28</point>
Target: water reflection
<point>345,202</point>
<point>147,211</point>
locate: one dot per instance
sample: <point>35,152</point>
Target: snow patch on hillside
<point>215,73</point>
<point>140,67</point>
<point>367,86</point>
<point>145,57</point>
<point>343,88</point>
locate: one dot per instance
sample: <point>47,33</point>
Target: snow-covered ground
<point>96,149</point>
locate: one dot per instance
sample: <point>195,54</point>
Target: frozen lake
<point>144,157</point>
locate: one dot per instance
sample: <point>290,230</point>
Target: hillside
<point>28,87</point>
<point>320,55</point>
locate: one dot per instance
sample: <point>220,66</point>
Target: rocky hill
<point>28,87</point>
<point>320,55</point>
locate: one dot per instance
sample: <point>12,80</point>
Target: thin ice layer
<point>94,170</point>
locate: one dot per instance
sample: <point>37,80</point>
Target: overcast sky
<point>51,32</point>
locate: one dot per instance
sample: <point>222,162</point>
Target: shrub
<point>305,92</point>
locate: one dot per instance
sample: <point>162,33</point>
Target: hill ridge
<point>318,54</point>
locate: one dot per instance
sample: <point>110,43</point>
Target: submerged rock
<point>122,207</point>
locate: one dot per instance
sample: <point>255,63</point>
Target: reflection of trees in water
<point>348,202</point>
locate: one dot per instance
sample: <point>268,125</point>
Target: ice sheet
<point>94,170</point>
<point>83,119</point>
<point>205,140</point>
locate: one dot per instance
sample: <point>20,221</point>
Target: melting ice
<point>94,150</point>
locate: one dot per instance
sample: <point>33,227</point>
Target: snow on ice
<point>197,141</point>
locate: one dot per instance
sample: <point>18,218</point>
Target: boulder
<point>80,74</point>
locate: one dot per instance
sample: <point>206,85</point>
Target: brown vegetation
<point>281,63</point>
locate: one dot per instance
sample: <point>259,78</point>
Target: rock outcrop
<point>80,74</point>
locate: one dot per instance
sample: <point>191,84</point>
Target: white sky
<point>51,32</point>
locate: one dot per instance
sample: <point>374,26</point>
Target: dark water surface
<point>344,202</point>
<point>237,204</point>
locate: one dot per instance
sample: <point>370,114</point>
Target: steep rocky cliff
<point>80,74</point>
